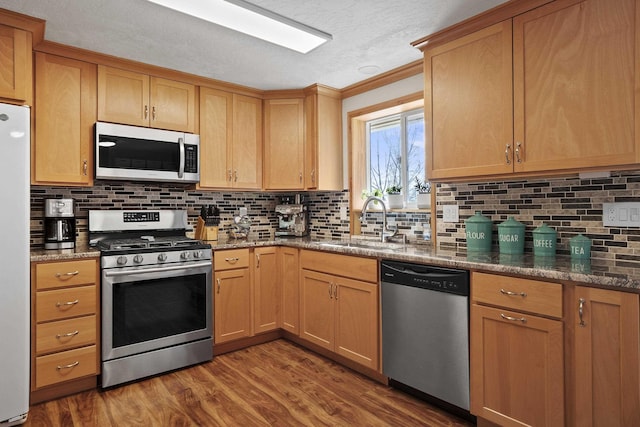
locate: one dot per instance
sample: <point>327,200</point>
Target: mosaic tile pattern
<point>569,205</point>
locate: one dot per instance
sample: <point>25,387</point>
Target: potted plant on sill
<point>395,197</point>
<point>375,192</point>
<point>423,196</point>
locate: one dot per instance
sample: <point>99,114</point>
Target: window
<point>396,153</point>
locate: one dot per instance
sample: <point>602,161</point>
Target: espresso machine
<point>59,224</point>
<point>293,217</point>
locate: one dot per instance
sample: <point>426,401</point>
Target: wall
<point>324,207</point>
<point>569,205</point>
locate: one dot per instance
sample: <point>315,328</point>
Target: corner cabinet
<point>284,144</point>
<point>16,69</point>
<point>230,140</point>
<point>517,358</point>
<point>65,313</point>
<point>289,276</point>
<point>65,104</point>
<point>137,99</point>
<point>528,94</point>
<point>606,357</point>
<point>339,308</point>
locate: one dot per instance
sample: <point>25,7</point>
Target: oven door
<point>147,308</point>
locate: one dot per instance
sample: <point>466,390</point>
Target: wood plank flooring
<point>272,384</point>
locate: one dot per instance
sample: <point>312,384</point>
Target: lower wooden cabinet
<point>606,357</point>
<point>289,264</point>
<point>266,290</point>
<point>338,313</point>
<point>231,296</point>
<point>65,326</point>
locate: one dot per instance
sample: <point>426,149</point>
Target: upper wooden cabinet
<point>62,148</point>
<point>141,100</point>
<point>544,108</point>
<point>284,144</point>
<point>323,139</point>
<point>230,140</point>
<point>16,75</point>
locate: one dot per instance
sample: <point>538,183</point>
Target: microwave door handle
<point>181,167</point>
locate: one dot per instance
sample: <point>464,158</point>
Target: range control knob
<point>197,254</point>
<point>185,255</point>
<point>162,257</point>
<point>122,260</point>
<point>138,259</point>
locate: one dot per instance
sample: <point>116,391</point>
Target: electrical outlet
<point>450,213</point>
<point>343,213</point>
<point>622,214</point>
<point>243,211</point>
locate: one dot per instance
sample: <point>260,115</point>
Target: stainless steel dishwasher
<point>425,329</point>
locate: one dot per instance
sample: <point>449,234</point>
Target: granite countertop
<point>601,273</point>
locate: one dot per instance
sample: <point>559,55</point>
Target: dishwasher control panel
<point>424,276</point>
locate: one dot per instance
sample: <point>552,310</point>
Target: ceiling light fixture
<point>253,20</point>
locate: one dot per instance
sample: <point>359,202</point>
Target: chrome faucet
<point>386,232</point>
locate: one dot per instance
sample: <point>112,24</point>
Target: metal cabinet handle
<point>330,290</point>
<point>507,154</point>
<point>62,304</point>
<point>70,334</point>
<point>522,294</point>
<point>257,260</point>
<point>335,292</point>
<point>230,175</point>
<point>146,112</point>
<point>313,176</point>
<point>235,176</point>
<point>85,167</point>
<point>300,177</point>
<point>514,319</point>
<point>72,365</point>
<point>518,146</point>
<point>218,282</point>
<point>69,274</point>
<point>232,260</point>
<point>581,302</point>
<point>153,113</point>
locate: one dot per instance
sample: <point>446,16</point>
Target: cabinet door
<point>317,308</point>
<point>232,305</point>
<point>16,65</point>
<point>216,133</point>
<point>357,321</point>
<point>575,85</point>
<point>517,375</point>
<point>468,105</point>
<point>266,288</point>
<point>289,278</point>
<point>123,96</point>
<point>247,142</point>
<point>606,358</point>
<point>173,105</point>
<point>284,144</point>
<point>66,113</point>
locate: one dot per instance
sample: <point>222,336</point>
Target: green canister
<point>580,247</point>
<point>544,241</point>
<point>478,231</point>
<point>511,236</point>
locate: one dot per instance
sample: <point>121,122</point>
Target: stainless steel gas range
<point>156,293</point>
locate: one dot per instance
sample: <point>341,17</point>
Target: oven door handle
<point>125,272</point>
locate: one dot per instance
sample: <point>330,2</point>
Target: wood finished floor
<point>273,384</point>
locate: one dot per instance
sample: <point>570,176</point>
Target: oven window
<point>132,153</point>
<point>150,309</point>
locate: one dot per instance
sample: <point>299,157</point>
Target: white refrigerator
<point>14,264</point>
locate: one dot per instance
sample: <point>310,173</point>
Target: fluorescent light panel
<point>253,20</point>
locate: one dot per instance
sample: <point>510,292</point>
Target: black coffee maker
<point>59,224</point>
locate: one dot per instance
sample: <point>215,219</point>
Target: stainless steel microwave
<point>145,154</point>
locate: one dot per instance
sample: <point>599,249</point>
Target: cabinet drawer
<point>65,303</point>
<point>69,273</point>
<point>233,258</point>
<point>65,334</point>
<point>518,294</point>
<point>65,366</point>
<point>341,265</point>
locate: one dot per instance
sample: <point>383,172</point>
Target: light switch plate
<point>622,214</point>
<point>450,213</point>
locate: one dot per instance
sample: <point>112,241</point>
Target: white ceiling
<point>365,32</point>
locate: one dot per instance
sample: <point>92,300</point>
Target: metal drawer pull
<point>61,304</point>
<point>581,302</point>
<point>72,365</point>
<point>514,319</point>
<point>522,294</point>
<point>69,274</point>
<point>70,334</point>
<point>232,260</point>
